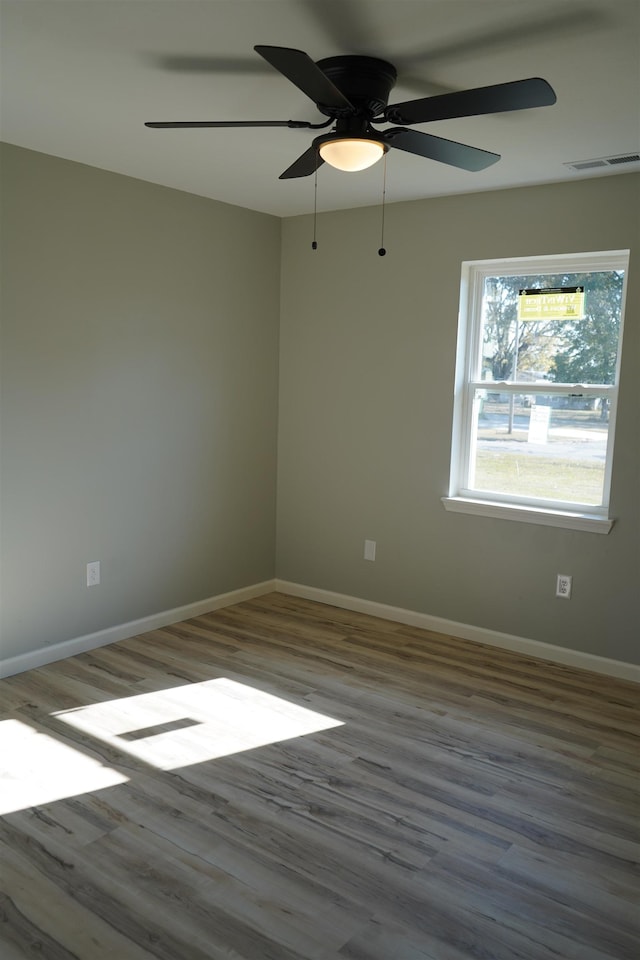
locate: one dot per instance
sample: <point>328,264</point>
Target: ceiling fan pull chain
<point>314,244</point>
<point>382,251</point>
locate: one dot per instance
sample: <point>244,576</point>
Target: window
<point>536,388</point>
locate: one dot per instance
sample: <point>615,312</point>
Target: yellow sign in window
<point>558,303</point>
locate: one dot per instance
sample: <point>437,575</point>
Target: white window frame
<point>463,499</point>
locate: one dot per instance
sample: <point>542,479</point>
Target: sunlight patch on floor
<point>196,722</point>
<point>36,768</point>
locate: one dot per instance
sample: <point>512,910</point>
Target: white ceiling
<point>80,77</point>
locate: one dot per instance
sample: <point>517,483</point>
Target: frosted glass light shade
<point>351,154</point>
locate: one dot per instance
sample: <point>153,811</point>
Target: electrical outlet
<point>369,549</point>
<point>93,573</point>
<point>563,586</point>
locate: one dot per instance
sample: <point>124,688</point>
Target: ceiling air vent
<point>587,164</point>
<point>604,161</point>
<point>628,158</point>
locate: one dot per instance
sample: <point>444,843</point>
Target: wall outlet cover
<point>370,549</point>
<point>563,586</point>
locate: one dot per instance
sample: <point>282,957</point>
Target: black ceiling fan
<point>352,91</point>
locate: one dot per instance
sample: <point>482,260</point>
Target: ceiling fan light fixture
<point>352,153</point>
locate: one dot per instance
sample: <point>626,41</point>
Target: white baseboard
<point>68,648</point>
<point>531,648</point>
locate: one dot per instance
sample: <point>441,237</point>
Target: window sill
<point>547,518</point>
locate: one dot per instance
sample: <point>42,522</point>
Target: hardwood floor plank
<point>553,875</point>
<point>526,907</point>
<point>38,905</point>
<point>294,781</point>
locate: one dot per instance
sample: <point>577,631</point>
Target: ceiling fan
<point>352,91</point>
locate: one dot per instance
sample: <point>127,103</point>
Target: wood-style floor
<point>284,780</point>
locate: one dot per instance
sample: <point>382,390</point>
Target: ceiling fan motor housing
<point>365,81</point>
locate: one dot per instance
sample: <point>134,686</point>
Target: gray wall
<point>366,398</point>
<point>139,398</point>
<point>139,408</point>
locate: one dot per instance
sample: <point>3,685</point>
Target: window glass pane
<point>568,334</point>
<point>545,447</point>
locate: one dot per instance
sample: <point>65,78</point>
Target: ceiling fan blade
<point>499,98</point>
<point>435,148</point>
<point>294,124</point>
<point>344,23</point>
<point>507,34</point>
<point>422,84</point>
<point>182,63</point>
<point>306,164</point>
<point>300,69</point>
